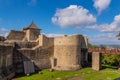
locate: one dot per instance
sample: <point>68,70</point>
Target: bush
<point>111,59</point>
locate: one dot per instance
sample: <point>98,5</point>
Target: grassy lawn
<point>83,74</point>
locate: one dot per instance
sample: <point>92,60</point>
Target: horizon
<point>96,19</point>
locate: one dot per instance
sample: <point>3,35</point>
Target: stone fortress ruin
<point>29,49</point>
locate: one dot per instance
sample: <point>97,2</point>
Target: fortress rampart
<point>58,53</point>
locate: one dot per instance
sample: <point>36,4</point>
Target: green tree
<point>102,46</point>
<point>111,59</point>
<point>117,60</point>
<point>92,46</point>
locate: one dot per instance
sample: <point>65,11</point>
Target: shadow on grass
<point>24,75</point>
<point>108,67</point>
<point>117,78</point>
<point>19,75</point>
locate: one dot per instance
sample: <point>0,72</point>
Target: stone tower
<point>32,32</point>
<point>67,53</point>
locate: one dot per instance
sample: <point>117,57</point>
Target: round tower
<point>67,53</point>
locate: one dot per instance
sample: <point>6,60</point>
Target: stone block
<point>96,61</point>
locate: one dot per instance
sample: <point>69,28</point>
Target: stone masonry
<point>59,53</point>
<point>6,61</point>
<point>96,61</point>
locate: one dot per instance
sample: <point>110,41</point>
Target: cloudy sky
<point>99,20</point>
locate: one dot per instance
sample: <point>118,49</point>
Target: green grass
<point>84,74</point>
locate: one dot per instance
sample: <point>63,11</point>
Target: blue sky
<point>99,20</point>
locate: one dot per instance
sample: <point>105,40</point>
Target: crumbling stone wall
<point>6,62</point>
<point>39,54</point>
<point>40,57</point>
<point>44,52</point>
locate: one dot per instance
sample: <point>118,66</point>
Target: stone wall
<point>32,35</point>
<point>67,53</point>
<point>96,61</point>
<point>84,42</point>
<point>61,53</point>
<point>15,35</point>
<point>25,44</point>
<point>39,52</point>
<point>6,53</point>
<point>40,57</point>
<point>6,62</point>
<point>45,41</point>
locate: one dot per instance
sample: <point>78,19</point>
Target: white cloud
<point>112,27</point>
<point>101,5</point>
<point>3,32</point>
<point>108,38</point>
<point>75,16</point>
<point>32,2</point>
<point>54,35</point>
